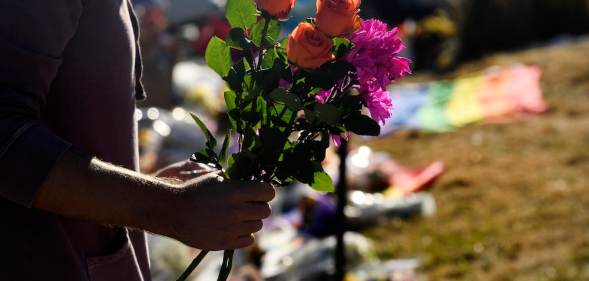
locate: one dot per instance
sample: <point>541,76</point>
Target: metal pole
<point>342,201</point>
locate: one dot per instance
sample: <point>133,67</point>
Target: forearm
<point>207,212</point>
<point>93,190</point>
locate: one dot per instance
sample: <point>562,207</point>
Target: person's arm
<point>89,189</point>
<point>207,212</point>
<point>38,168</point>
<point>33,36</point>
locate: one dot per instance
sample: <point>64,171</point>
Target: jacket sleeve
<point>33,36</point>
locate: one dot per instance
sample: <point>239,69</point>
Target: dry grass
<point>514,203</point>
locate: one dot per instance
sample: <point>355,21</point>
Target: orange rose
<point>308,47</point>
<point>338,17</point>
<point>276,8</point>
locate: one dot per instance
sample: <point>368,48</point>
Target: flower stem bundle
<point>288,97</point>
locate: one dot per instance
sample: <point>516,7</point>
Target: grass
<point>514,203</point>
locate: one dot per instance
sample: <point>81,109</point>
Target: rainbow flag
<point>495,95</point>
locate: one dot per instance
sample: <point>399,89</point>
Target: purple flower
<point>322,96</point>
<point>380,105</point>
<point>284,84</point>
<point>375,55</point>
<point>337,139</point>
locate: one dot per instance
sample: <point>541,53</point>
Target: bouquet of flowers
<point>288,97</point>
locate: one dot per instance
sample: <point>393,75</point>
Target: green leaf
<point>325,76</point>
<point>272,33</point>
<point>230,100</point>
<point>272,144</point>
<point>281,115</point>
<point>264,81</point>
<point>283,43</point>
<point>211,141</point>
<point>233,113</point>
<point>218,56</point>
<point>271,58</point>
<point>225,147</point>
<point>205,156</point>
<point>236,76</point>
<point>235,120</point>
<point>250,112</point>
<point>318,148</point>
<point>291,101</point>
<point>310,116</point>
<point>275,60</point>
<point>271,81</point>
<point>241,166</point>
<point>300,86</point>
<point>351,103</point>
<point>250,139</point>
<point>328,114</point>
<point>261,106</point>
<point>230,163</point>
<point>241,13</point>
<point>237,39</point>
<point>248,81</point>
<point>341,46</point>
<point>298,164</point>
<point>201,157</point>
<point>272,138</point>
<point>362,125</point>
<point>322,182</point>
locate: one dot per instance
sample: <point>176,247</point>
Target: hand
<point>211,213</point>
<point>185,170</point>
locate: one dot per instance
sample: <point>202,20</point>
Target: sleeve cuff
<point>27,162</point>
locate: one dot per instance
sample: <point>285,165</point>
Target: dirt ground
<point>514,203</point>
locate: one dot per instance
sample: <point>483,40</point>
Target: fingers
<point>208,178</point>
<point>242,242</point>
<point>240,235</point>
<point>241,208</point>
<point>256,192</point>
<point>249,227</point>
<point>252,211</point>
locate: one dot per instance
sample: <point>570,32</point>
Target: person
<point>69,79</point>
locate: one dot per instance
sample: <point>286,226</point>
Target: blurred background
<point>481,174</point>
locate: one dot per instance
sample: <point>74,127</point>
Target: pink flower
<point>375,55</point>
<point>380,105</point>
<point>337,140</point>
<point>322,96</point>
<point>284,84</point>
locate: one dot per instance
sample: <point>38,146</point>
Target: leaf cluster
<point>282,130</point>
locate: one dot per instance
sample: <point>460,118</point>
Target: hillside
<point>514,203</point>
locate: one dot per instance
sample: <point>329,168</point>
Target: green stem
<point>192,265</point>
<point>338,90</point>
<point>310,137</point>
<point>263,40</point>
<point>226,266</point>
